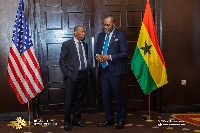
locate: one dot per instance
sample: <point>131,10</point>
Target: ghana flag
<point>148,64</point>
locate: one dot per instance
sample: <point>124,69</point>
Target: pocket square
<point>116,40</point>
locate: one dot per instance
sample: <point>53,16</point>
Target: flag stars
<point>17,72</point>
<point>21,37</point>
<point>146,48</point>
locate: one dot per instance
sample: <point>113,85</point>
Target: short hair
<point>76,27</point>
<point>112,18</point>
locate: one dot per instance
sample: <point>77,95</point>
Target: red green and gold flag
<point>148,64</point>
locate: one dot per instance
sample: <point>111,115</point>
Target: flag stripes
<point>154,63</point>
<point>23,70</point>
<point>34,61</point>
<point>33,70</point>
<point>148,64</point>
<point>149,24</point>
<point>16,88</point>
<point>18,77</point>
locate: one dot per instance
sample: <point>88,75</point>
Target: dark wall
<point>181,28</point>
<point>8,100</point>
<point>180,47</point>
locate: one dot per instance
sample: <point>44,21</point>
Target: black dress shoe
<point>120,125</point>
<point>79,124</point>
<point>106,123</point>
<point>67,128</point>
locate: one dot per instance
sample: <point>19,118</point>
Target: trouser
<point>74,96</point>
<point>112,84</point>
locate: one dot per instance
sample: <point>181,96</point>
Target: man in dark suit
<point>73,64</point>
<point>111,50</point>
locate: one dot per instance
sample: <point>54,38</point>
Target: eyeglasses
<point>108,25</point>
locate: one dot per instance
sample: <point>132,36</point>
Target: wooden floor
<point>134,124</point>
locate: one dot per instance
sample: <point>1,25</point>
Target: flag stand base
<point>148,118</point>
<point>30,126</point>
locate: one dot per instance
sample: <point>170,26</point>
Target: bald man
<point>73,64</point>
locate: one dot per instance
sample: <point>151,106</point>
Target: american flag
<point>23,70</point>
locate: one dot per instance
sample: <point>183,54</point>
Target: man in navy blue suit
<point>111,50</point>
<point>74,65</point>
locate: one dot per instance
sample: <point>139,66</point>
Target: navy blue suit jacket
<point>118,49</point>
<point>69,59</point>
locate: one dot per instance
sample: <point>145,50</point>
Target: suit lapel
<point>74,49</point>
<point>114,35</point>
<point>102,42</point>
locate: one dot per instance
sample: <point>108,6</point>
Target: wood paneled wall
<point>180,31</point>
<point>181,37</point>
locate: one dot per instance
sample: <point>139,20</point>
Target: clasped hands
<point>102,58</point>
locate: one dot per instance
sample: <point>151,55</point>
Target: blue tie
<point>81,57</point>
<point>105,49</point>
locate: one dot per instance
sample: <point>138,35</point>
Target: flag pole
<point>29,116</point>
<point>149,109</point>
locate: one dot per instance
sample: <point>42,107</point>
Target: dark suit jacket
<point>118,49</point>
<point>69,60</point>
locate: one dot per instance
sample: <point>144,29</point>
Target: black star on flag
<point>146,48</point>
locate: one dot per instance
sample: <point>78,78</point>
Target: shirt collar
<point>112,31</point>
<point>76,41</point>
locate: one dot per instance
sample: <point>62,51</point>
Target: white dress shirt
<point>77,47</point>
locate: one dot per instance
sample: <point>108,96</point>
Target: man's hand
<point>102,58</point>
<point>105,57</point>
<point>99,59</point>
